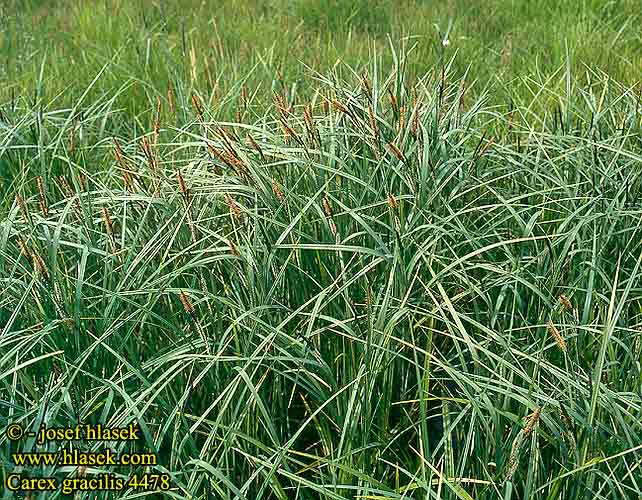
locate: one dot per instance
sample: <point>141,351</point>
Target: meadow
<point>326,250</point>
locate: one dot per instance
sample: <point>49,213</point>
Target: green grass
<point>383,282</point>
<point>211,46</point>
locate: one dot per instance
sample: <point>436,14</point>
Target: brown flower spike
<point>552,329</point>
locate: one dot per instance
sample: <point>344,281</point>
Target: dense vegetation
<point>370,280</point>
<point>56,48</point>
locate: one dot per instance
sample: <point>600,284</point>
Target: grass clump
<point>379,289</point>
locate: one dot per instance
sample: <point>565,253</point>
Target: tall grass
<point>55,48</point>
<point>390,290</point>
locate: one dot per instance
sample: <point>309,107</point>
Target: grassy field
<point>138,47</point>
<point>326,250</point>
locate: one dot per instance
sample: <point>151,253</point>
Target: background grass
<point>213,45</point>
<point>409,275</point>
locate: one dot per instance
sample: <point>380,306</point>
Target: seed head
<point>414,129</point>
<point>127,180</point>
<point>65,186</point>
<point>42,198</point>
<point>393,101</point>
<point>396,152</point>
<point>533,418</point>
<point>118,153</point>
<point>23,207</point>
<point>181,186</point>
<point>124,166</point>
<point>229,156</point>
<point>282,105</point>
<point>23,247</point>
<point>513,459</point>
<point>108,222</point>
<point>340,107</point>
<point>198,107</point>
<point>367,88</point>
<point>392,201</point>
<point>244,96</point>
<point>326,207</point>
<point>402,118</point>
<point>187,303</point>
<point>373,122</point>
<point>552,329</point>
<point>156,131</point>
<point>309,122</point>
<point>147,149</point>
<point>234,208</point>
<point>217,153</point>
<point>227,139</point>
<point>157,120</point>
<point>288,132</point>
<point>568,427</point>
<point>255,145</point>
<point>277,191</point>
<point>39,264</point>
<point>325,105</point>
<point>564,300</point>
